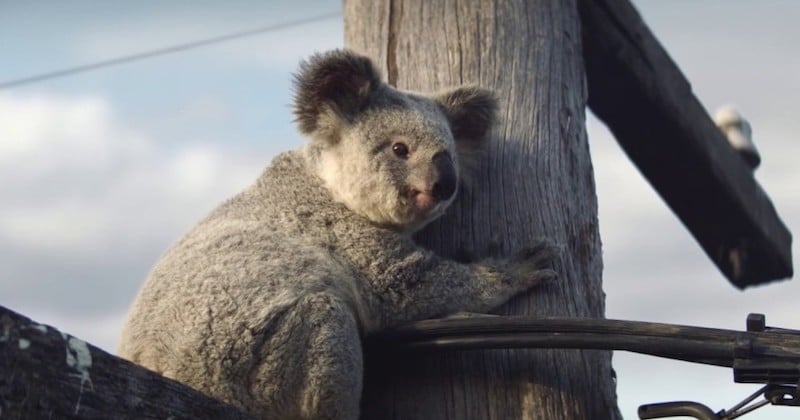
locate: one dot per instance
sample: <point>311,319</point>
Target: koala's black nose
<point>445,186</point>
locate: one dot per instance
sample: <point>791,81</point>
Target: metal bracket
<point>787,395</point>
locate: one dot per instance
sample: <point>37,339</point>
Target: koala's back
<point>223,292</point>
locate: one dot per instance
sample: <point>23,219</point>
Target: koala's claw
<point>539,256</point>
<point>546,276</point>
<point>534,264</point>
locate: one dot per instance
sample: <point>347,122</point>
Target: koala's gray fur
<point>263,304</point>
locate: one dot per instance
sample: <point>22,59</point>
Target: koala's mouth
<point>423,202</point>
<point>418,208</point>
<point>423,206</point>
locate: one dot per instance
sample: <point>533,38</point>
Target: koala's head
<point>394,157</point>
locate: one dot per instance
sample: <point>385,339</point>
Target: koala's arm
<point>410,283</point>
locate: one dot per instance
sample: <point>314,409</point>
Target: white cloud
<point>68,224</point>
<point>194,170</point>
<point>46,145</point>
<point>79,172</point>
<point>31,124</point>
<point>89,203</point>
<point>205,108</point>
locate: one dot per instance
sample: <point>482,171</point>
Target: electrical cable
<point>161,51</point>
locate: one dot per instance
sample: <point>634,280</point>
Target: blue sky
<point>100,172</point>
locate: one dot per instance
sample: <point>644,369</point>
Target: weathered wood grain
<point>46,374</point>
<point>639,92</point>
<point>535,181</point>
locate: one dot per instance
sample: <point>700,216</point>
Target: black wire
<point>161,51</point>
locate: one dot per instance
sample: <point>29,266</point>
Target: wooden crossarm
<point>649,106</point>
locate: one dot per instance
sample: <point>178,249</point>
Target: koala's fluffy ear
<point>332,88</point>
<point>471,112</point>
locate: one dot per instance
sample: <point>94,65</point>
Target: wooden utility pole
<point>536,181</point>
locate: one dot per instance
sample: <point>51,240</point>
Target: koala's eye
<point>400,150</point>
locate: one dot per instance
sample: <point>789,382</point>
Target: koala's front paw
<point>533,265</point>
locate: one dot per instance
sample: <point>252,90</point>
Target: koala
<point>264,303</point>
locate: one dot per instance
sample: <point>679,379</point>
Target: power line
<point>161,51</point>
